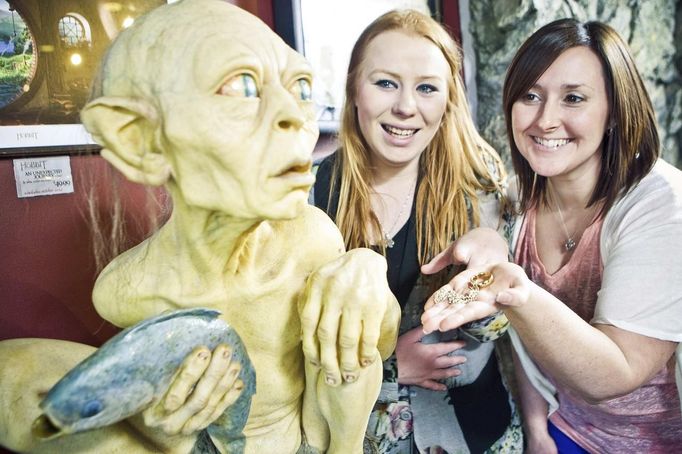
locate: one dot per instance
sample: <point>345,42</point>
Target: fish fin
<point>200,312</point>
<point>204,444</point>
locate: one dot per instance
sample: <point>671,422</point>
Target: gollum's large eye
<point>302,89</point>
<point>241,85</point>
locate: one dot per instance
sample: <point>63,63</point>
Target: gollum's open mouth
<point>296,168</point>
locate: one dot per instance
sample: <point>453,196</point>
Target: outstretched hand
<point>424,364</point>
<point>510,287</point>
<point>204,386</point>
<point>349,317</point>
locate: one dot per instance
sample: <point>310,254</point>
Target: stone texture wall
<point>653,29</point>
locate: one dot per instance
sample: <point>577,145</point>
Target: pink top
<point>646,420</point>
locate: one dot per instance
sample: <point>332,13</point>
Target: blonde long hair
<point>454,166</point>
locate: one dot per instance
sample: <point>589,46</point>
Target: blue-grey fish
<point>135,368</point>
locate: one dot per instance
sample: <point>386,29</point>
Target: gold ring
<point>447,295</point>
<point>481,280</point>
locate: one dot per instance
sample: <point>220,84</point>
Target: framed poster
<point>49,53</point>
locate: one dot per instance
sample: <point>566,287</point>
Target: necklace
<point>390,233</point>
<point>570,243</point>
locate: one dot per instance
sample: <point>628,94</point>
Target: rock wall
<point>653,29</point>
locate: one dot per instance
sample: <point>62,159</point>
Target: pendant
<point>569,244</point>
<point>388,241</point>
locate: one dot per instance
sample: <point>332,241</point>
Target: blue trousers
<point>563,443</point>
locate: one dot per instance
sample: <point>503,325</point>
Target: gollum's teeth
<point>398,131</point>
<point>551,143</point>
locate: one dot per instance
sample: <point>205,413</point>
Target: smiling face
<point>401,96</point>
<point>237,117</point>
<point>559,124</point>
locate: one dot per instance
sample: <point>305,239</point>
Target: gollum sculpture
<point>203,98</point>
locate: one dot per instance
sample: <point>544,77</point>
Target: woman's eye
<point>573,99</point>
<point>530,97</point>
<point>241,85</point>
<point>302,89</point>
<point>385,83</point>
<point>427,88</point>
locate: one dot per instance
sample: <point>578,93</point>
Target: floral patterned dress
<point>476,414</point>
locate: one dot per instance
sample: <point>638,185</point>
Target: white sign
<point>43,136</point>
<point>43,176</point>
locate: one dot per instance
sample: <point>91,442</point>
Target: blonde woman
<point>411,175</point>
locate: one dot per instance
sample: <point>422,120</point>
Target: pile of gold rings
<point>447,295</point>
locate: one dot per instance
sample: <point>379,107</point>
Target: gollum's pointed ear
<point>126,129</point>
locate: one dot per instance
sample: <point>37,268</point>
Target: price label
<point>43,176</point>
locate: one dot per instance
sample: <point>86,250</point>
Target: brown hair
<point>452,168</point>
<point>630,145</point>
